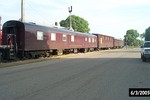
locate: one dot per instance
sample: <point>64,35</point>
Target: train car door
<point>9,38</point>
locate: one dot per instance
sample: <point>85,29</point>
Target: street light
<point>70,10</point>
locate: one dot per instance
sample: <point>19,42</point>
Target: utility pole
<point>22,10</point>
<point>70,10</point>
<point>126,40</point>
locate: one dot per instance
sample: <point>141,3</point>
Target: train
<point>30,40</point>
<point>0,32</point>
<point>0,37</point>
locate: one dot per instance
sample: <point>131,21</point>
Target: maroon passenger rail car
<point>104,41</point>
<point>0,32</point>
<point>30,40</point>
<point>118,43</point>
<point>0,37</point>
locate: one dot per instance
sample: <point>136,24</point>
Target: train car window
<point>72,38</point>
<point>101,40</point>
<point>92,40</point>
<point>64,38</point>
<point>53,36</point>
<point>86,39</point>
<point>10,30</point>
<point>39,35</point>
<point>89,39</point>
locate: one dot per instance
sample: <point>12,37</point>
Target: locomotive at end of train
<point>28,40</point>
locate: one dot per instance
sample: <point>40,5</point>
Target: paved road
<point>104,75</point>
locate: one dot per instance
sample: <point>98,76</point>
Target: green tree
<point>78,24</point>
<point>138,42</point>
<point>147,34</point>
<point>131,37</point>
<point>142,36</point>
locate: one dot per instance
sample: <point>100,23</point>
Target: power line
<point>36,12</point>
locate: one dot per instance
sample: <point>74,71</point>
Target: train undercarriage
<point>8,52</point>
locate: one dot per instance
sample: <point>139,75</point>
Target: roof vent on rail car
<point>57,25</point>
<point>32,23</point>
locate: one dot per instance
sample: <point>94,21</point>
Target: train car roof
<point>102,35</point>
<point>53,29</point>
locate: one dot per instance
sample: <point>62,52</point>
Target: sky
<point>109,17</point>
